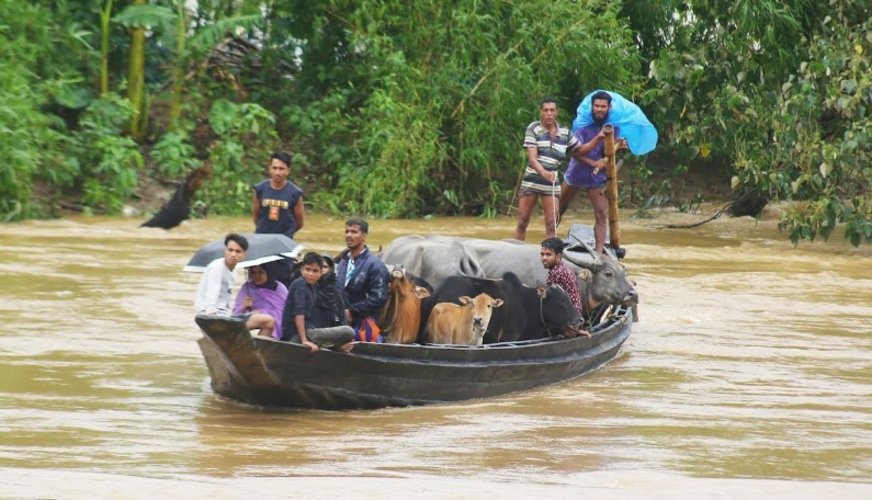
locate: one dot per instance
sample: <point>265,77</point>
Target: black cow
<point>527,313</point>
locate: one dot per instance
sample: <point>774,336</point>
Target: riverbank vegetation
<point>402,109</point>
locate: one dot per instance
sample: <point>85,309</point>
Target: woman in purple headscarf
<point>263,294</point>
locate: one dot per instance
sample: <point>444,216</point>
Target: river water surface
<point>749,375</point>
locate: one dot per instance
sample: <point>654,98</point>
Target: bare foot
<point>346,347</point>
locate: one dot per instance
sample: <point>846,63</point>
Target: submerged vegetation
<point>400,109</point>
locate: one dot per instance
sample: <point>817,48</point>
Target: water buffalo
<point>463,324</point>
<point>527,313</point>
<point>433,258</point>
<point>606,282</point>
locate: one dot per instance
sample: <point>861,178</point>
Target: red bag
<point>368,331</point>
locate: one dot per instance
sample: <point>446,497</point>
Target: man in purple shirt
<point>589,172</point>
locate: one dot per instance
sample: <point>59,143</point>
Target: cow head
<point>557,312</point>
<point>608,281</point>
<point>483,306</point>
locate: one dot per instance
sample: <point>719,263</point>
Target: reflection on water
<point>750,365</point>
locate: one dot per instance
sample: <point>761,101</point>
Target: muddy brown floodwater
<point>749,375</point>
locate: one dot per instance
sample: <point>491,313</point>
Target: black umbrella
<point>262,248</point>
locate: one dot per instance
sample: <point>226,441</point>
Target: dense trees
<point>407,108</point>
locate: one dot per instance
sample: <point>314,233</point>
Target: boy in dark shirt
<point>296,317</point>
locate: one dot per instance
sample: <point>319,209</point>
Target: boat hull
<point>268,372</point>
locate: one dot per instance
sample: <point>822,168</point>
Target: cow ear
<point>540,290</point>
<point>584,274</point>
<point>465,299</point>
<point>498,303</point>
<point>421,292</point>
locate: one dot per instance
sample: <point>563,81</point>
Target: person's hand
<point>599,164</point>
<point>248,302</point>
<point>348,316</point>
<point>622,144</point>
<point>313,347</point>
<point>550,176</point>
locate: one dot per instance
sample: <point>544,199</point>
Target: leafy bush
<point>109,161</point>
<point>173,155</point>
<point>246,136</point>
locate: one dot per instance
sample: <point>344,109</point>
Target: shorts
<point>527,191</point>
<point>582,176</point>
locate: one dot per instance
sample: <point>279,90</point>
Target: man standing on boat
<point>547,143</point>
<point>215,290</point>
<point>277,205</point>
<point>364,280</point>
<point>588,170</point>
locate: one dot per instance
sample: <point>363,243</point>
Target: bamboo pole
<point>612,187</point>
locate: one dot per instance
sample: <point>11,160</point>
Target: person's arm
<point>300,324</point>
<point>376,290</point>
<point>533,160</point>
<point>255,207</point>
<point>580,153</point>
<point>213,290</point>
<point>299,213</point>
<point>243,301</point>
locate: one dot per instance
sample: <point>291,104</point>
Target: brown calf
<point>465,324</point>
<point>400,317</point>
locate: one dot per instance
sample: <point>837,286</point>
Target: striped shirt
<point>551,152</point>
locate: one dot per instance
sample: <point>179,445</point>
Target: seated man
<point>297,315</point>
<point>364,280</point>
<point>214,292</point>
<point>559,274</point>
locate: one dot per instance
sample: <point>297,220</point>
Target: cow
<point>527,313</point>
<point>400,318</point>
<point>463,324</point>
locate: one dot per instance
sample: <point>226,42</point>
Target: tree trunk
<point>179,69</point>
<point>136,78</point>
<point>612,187</point>
<point>105,17</point>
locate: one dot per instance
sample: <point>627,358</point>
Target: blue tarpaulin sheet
<point>640,134</point>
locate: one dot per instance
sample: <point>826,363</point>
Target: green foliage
<point>33,68</point>
<point>778,90</point>
<point>145,16</point>
<point>110,162</point>
<point>246,135</point>
<point>173,155</point>
<point>409,108</point>
<point>430,120</point>
<point>821,128</point>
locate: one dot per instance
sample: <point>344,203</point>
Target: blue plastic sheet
<point>640,134</point>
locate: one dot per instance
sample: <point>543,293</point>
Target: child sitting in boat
<point>262,294</point>
<point>297,323</point>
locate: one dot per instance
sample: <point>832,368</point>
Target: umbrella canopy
<point>640,133</point>
<point>262,248</point>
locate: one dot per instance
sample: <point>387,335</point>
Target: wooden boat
<point>267,372</point>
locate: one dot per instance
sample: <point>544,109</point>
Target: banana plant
<point>139,17</point>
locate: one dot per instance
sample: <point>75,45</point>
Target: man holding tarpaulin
<point>589,172</point>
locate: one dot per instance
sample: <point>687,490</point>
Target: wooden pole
<point>612,187</point>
